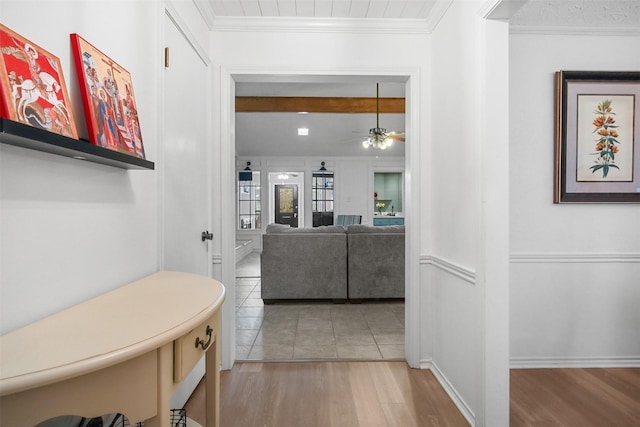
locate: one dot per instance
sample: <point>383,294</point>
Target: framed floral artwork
<point>109,103</point>
<point>597,141</point>
<point>32,86</point>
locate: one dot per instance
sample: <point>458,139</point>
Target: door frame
<point>227,80</point>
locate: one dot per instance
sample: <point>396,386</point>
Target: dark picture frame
<point>108,99</point>
<point>597,140</point>
<point>32,86</point>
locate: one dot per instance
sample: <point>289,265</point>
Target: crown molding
<point>322,25</point>
<point>573,31</point>
<point>206,11</point>
<point>437,12</point>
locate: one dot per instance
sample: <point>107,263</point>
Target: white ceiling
<point>567,13</point>
<point>330,134</point>
<point>340,135</point>
<point>388,9</point>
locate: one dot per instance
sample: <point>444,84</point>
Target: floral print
<point>606,147</point>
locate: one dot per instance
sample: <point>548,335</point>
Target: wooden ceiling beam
<point>272,104</point>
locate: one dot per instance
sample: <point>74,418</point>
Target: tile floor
<point>312,331</point>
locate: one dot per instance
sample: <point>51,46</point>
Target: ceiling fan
<point>379,137</point>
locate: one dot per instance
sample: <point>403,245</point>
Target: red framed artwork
<point>32,86</point>
<point>108,100</point>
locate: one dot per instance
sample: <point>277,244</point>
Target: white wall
<point>353,186</point>
<point>466,269</point>
<point>574,268</point>
<point>70,230</point>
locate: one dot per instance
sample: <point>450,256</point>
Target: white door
<point>187,190</point>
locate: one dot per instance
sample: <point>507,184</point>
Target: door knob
<point>207,236</point>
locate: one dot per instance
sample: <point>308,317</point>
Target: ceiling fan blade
<point>396,136</point>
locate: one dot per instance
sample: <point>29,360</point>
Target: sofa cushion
<point>304,263</point>
<point>277,228</point>
<point>361,228</point>
<point>283,228</point>
<point>330,229</point>
<point>375,261</point>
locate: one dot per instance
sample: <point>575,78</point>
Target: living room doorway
<point>412,329</point>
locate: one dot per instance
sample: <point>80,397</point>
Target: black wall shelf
<point>21,135</point>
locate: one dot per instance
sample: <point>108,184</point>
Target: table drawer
<point>188,349</point>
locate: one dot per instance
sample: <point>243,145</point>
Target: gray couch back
<point>375,261</point>
<point>304,263</point>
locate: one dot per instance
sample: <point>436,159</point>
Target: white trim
<point>457,399</point>
<point>575,362</point>
<point>573,31</point>
<point>161,141</point>
<point>206,11</point>
<point>578,258</point>
<point>227,216</point>
<point>216,258</point>
<point>452,268</point>
<point>426,364</point>
<point>437,13</point>
<point>183,28</point>
<point>228,75</point>
<point>321,25</point>
<point>500,10</point>
<point>413,218</point>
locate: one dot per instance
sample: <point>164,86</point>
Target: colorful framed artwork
<point>597,141</point>
<point>32,86</point>
<point>109,103</point>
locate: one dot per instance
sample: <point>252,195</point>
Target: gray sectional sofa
<point>304,263</point>
<point>375,261</point>
<point>331,262</point>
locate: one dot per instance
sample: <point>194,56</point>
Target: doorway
<point>286,199</point>
<point>411,203</point>
<point>286,205</point>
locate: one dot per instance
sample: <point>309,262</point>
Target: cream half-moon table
<point>125,351</point>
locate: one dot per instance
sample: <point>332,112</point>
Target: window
<point>248,200</point>
<point>322,198</point>
<point>387,192</point>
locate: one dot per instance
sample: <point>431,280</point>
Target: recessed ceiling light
<point>303,112</point>
<point>303,131</point>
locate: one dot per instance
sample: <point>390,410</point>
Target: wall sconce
<point>246,174</point>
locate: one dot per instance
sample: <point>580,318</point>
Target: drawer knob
<point>205,345</point>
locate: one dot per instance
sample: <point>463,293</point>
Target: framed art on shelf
<point>32,86</point>
<point>108,99</point>
<point>597,141</point>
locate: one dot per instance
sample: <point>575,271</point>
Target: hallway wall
<point>574,268</point>
<point>71,230</point>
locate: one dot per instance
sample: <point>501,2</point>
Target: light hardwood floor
<point>330,394</point>
<point>575,397</point>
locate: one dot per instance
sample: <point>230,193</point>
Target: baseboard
<point>462,406</point>
<point>243,248</point>
<point>426,364</point>
<point>574,362</point>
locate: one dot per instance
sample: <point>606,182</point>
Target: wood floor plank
<point>329,394</point>
<point>351,394</point>
<point>368,408</point>
<point>575,397</point>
